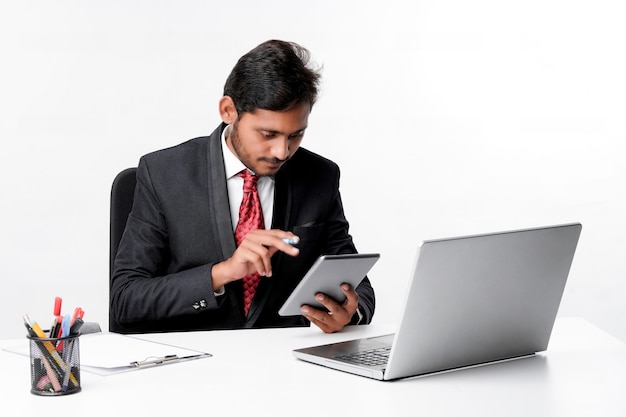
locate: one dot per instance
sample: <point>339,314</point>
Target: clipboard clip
<point>153,361</point>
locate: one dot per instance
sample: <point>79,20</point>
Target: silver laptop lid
<point>482,298</point>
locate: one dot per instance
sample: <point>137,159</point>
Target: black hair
<point>276,75</point>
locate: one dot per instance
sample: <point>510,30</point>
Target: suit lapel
<point>220,209</point>
<point>218,194</point>
<point>282,199</point>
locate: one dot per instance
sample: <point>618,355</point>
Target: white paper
<point>108,353</point>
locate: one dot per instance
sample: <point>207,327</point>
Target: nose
<point>280,149</point>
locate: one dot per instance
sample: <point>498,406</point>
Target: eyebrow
<point>279,132</point>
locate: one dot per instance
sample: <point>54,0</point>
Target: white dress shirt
<point>234,183</point>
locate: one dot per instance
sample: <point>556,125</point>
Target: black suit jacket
<point>180,226</point>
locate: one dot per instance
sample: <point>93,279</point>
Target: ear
<point>228,112</point>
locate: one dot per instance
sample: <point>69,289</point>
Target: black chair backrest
<point>122,195</point>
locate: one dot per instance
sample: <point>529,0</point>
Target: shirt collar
<point>232,164</point>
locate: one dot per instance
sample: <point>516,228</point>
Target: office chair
<point>122,196</point>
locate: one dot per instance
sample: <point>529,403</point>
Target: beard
<point>235,142</point>
<point>245,157</point>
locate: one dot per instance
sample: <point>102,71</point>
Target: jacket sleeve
<point>142,289</point>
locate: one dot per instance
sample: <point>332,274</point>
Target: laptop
<point>472,300</point>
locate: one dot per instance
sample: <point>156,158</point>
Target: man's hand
<point>338,315</point>
<point>253,256</point>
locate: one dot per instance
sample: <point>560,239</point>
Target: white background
<point>495,115</point>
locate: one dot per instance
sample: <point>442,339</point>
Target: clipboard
<point>111,353</point>
<point>107,353</point>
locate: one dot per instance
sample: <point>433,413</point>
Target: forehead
<point>289,121</point>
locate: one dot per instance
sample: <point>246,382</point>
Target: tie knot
<point>249,180</point>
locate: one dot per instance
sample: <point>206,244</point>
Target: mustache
<point>273,160</point>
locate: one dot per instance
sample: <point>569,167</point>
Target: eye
<point>268,135</point>
<point>297,135</point>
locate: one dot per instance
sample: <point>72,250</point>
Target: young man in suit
<point>179,265</point>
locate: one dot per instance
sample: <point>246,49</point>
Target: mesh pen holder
<point>55,365</point>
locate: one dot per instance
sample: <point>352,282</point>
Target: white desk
<point>252,372</point>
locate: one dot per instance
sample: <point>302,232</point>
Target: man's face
<point>265,140</point>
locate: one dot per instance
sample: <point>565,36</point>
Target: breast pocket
<point>309,233</point>
<point>311,242</point>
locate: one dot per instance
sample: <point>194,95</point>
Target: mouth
<point>272,163</point>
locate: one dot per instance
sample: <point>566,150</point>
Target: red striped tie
<point>250,218</point>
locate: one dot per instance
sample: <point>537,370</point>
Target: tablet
<point>326,276</point>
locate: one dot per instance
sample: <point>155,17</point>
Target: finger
<point>321,319</point>
<point>323,326</point>
<point>340,313</point>
<point>285,242</point>
<point>264,258</point>
<point>331,305</point>
<point>250,262</point>
<point>352,298</point>
<point>259,256</point>
<point>289,244</point>
<point>334,319</point>
<point>256,252</point>
<point>289,249</point>
<point>275,240</point>
<point>315,314</point>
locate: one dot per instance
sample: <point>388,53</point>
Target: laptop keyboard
<point>372,357</point>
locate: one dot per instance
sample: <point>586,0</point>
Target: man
<point>179,265</point>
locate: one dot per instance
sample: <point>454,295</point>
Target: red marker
<point>55,329</point>
<point>78,313</point>
<point>57,307</point>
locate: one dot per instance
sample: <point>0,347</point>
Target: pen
<point>54,379</point>
<point>68,371</point>
<point>54,327</point>
<point>76,326</point>
<point>29,328</point>
<point>65,331</point>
